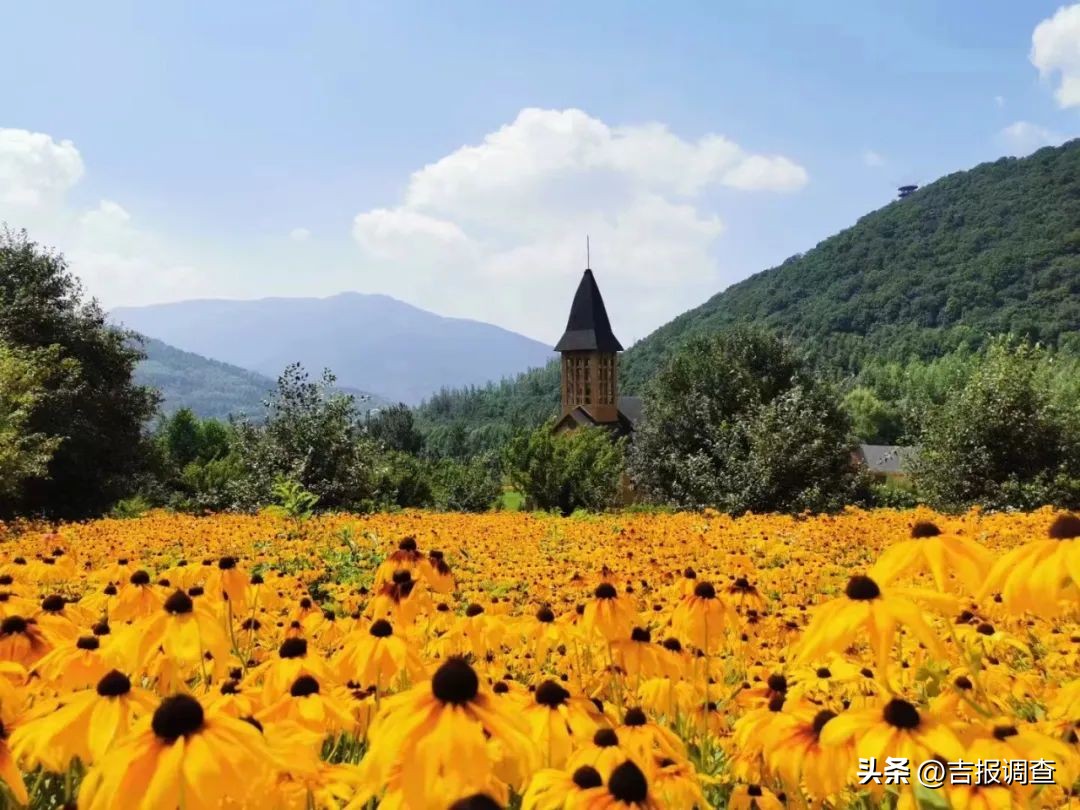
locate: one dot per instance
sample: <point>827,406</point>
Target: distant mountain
<point>208,387</point>
<point>371,342</point>
<point>980,252</point>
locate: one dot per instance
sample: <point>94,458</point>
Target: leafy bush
<point>1003,440</point>
<point>467,486</point>
<point>736,422</point>
<point>579,469</point>
<point>313,435</point>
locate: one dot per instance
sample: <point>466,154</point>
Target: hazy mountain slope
<point>210,388</point>
<point>371,342</point>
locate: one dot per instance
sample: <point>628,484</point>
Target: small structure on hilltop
<point>590,367</point>
<point>906,191</point>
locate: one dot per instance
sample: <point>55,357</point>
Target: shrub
<point>737,423</point>
<point>579,469</point>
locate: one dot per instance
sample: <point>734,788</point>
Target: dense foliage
<point>992,250</point>
<point>25,379</point>
<point>566,471</point>
<point>736,422</point>
<point>1002,439</point>
<point>94,409</point>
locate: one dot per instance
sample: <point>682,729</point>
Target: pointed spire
<point>588,328</point>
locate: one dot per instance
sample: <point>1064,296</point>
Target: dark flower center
<point>109,590</point>
<point>1004,732</point>
<point>87,643</point>
<point>985,629</point>
<point>705,590</point>
<point>635,717</point>
<point>550,694</point>
<point>294,647</point>
<point>776,703</point>
<point>473,610</point>
<point>179,603</point>
<point>227,563</point>
<point>753,790</point>
<point>742,584</point>
<point>962,682</point>
<point>12,625</point>
<point>924,528</point>
<point>408,544</point>
<point>139,578</point>
<point>381,628</point>
<point>402,576</point>
<point>605,590</point>
<point>627,784</point>
<point>114,684</point>
<point>605,738</point>
<point>587,777</point>
<point>820,719</point>
<point>901,714</point>
<point>479,801</point>
<point>545,615</point>
<point>500,688</point>
<point>230,688</point>
<point>455,682</point>
<point>824,672</point>
<point>861,588</point>
<point>673,645</point>
<point>177,716</point>
<point>303,686</point>
<point>640,634</point>
<point>53,604</point>
<point>1065,527</point>
<point>777,683</point>
<point>102,629</point>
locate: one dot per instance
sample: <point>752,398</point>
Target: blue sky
<point>253,149</point>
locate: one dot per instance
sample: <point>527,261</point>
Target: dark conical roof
<point>588,328</point>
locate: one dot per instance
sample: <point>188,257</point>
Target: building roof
<point>588,327</point>
<point>631,408</point>
<point>886,459</point>
<point>629,412</point>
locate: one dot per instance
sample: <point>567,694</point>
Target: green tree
<point>25,378</point>
<point>97,409</point>
<point>313,436</point>
<point>395,429</point>
<point>1002,440</point>
<point>736,422</point>
<point>873,420</point>
<point>579,469</point>
<point>467,486</point>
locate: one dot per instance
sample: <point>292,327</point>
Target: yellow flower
<point>626,787</point>
<point>608,613</point>
<point>180,757</point>
<point>896,729</point>
<point>866,610</point>
<point>447,737</point>
<point>84,726</point>
<point>940,553</point>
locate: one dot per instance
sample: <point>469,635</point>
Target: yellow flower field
<point>422,660</point>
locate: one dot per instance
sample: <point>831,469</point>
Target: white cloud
<point>117,261</point>
<point>496,230</point>
<point>1023,137</point>
<point>299,234</point>
<point>1055,51</point>
<point>36,171</point>
<point>872,159</point>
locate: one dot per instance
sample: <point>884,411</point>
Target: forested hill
<point>994,249</point>
<point>990,250</point>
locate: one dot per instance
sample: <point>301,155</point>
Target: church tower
<point>589,351</point>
